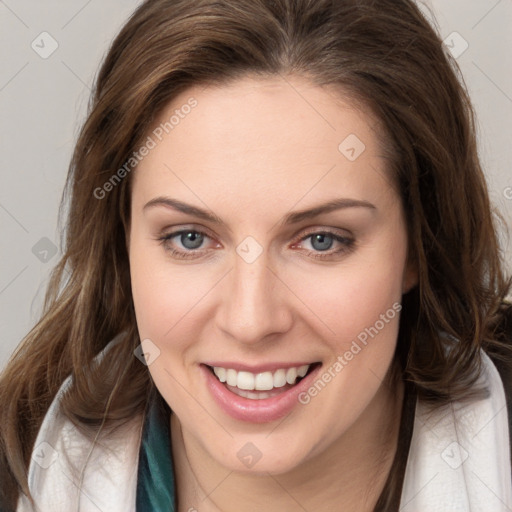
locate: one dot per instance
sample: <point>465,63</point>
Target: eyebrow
<point>290,218</point>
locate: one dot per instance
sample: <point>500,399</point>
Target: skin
<point>252,152</point>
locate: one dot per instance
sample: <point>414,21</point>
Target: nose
<point>253,302</point>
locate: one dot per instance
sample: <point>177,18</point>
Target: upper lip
<point>260,368</point>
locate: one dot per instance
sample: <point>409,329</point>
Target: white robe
<point>459,460</point>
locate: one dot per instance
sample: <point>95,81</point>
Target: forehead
<point>259,134</point>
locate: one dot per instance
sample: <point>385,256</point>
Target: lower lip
<point>256,411</point>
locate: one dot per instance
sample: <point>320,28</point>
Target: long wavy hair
<point>383,54</point>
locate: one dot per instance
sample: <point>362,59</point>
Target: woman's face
<point>238,265</point>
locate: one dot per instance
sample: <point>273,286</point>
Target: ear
<point>410,277</point>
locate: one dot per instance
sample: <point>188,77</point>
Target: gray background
<point>43,103</point>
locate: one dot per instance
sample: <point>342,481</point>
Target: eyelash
<point>348,244</point>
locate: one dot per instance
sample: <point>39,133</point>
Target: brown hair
<point>380,54</point>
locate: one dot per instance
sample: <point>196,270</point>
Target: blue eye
<point>191,240</point>
<point>322,238</point>
<point>322,241</point>
<point>195,240</point>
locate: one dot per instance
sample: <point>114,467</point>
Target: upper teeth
<point>260,381</point>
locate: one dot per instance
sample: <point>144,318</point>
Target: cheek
<point>150,299</point>
<point>161,315</point>
<point>352,297</point>
<point>162,312</point>
<point>154,290</point>
<point>169,302</point>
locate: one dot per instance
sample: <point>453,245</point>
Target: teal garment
<point>155,477</point>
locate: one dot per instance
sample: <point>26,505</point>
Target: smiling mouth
<point>259,386</point>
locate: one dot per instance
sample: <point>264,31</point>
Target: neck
<point>352,473</point>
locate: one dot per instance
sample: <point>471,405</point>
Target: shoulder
<point>459,457</point>
<point>69,470</point>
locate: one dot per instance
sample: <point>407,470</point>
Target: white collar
<point>459,460</point>
<point>459,457</point>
